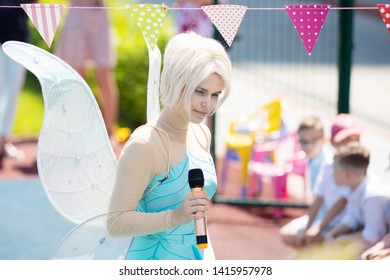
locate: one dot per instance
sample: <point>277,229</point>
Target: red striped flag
<point>45,18</point>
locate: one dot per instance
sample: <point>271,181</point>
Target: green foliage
<point>29,114</point>
<point>131,71</point>
<point>132,67</point>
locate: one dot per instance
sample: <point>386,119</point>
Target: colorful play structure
<point>266,154</point>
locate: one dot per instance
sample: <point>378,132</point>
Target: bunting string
<point>308,21</point>
<point>226,18</point>
<point>188,8</point>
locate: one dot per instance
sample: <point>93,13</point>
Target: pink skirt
<point>85,38</point>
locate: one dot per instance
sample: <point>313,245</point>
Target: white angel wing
<point>90,241</point>
<point>76,162</point>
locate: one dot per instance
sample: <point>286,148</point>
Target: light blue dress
<point>178,243</point>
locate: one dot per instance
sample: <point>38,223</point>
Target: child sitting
<point>327,208</point>
<point>368,203</point>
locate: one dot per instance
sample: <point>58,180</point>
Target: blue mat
<point>30,228</point>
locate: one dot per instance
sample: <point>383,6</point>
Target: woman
<point>151,199</point>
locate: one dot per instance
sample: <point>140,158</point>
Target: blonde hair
<point>352,155</point>
<point>311,122</point>
<point>189,59</point>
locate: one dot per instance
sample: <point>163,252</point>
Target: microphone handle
<point>200,226</point>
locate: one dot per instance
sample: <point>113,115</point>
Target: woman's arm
<point>135,170</point>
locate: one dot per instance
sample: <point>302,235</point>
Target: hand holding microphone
<point>196,182</point>
<point>194,207</point>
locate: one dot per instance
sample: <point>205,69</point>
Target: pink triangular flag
<point>45,18</point>
<point>226,18</point>
<point>384,10</point>
<point>308,21</point>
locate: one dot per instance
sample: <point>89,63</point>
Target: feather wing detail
<point>76,162</point>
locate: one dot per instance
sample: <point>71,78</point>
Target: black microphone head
<point>195,178</point>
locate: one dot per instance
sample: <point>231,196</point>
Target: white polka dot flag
<point>150,19</point>
<point>226,18</point>
<point>384,10</point>
<point>45,17</point>
<point>308,21</point>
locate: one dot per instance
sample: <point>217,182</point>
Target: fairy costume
<point>78,167</point>
<point>146,215</point>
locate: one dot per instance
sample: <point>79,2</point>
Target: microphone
<point>196,182</point>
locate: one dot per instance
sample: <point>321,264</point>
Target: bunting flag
<point>226,18</point>
<point>150,19</point>
<point>384,10</point>
<point>308,21</point>
<point>45,18</point>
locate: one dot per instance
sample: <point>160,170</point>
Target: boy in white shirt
<point>381,250</point>
<point>368,202</point>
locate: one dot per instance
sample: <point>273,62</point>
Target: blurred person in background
<point>191,19</point>
<point>86,40</point>
<point>364,222</point>
<point>328,206</point>
<point>311,138</point>
<point>14,26</point>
